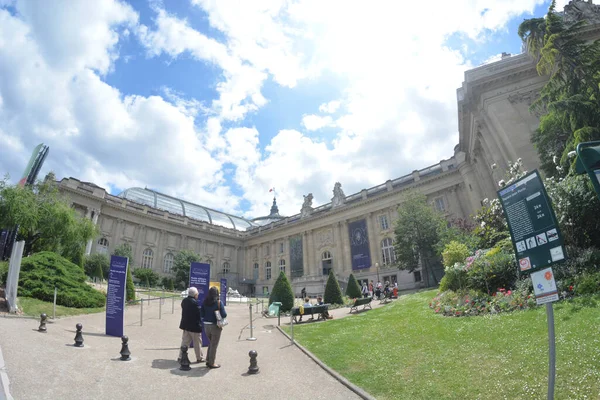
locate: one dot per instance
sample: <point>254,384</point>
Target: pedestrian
<point>191,325</point>
<point>209,307</point>
<point>371,288</point>
<point>365,290</point>
<point>303,293</point>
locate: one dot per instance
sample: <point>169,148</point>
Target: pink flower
<point>509,293</point>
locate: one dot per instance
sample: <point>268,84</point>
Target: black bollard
<point>125,353</point>
<point>185,361</point>
<point>253,369</point>
<point>79,336</point>
<point>42,327</point>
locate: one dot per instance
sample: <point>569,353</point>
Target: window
<point>383,222</point>
<point>268,270</point>
<point>387,251</point>
<point>147,258</point>
<point>168,263</point>
<point>417,275</point>
<point>281,248</point>
<point>267,250</point>
<point>439,204</point>
<point>102,247</point>
<point>226,267</point>
<point>282,265</point>
<point>327,262</point>
<point>255,271</point>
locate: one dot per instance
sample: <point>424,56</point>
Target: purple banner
<point>359,244</point>
<point>115,295</point>
<point>200,279</point>
<point>223,291</point>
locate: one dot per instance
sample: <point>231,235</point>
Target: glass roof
<point>181,207</point>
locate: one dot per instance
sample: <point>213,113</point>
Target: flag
<point>271,190</point>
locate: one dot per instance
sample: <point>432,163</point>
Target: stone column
<point>471,186</point>
<point>305,260</point>
<point>458,206</point>
<point>88,246</point>
<point>338,256</point>
<point>373,240</point>
<point>160,251</point>
<point>139,249</point>
<point>345,238</point>
<point>311,253</point>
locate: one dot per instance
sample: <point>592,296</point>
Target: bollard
<point>54,304</point>
<point>253,369</point>
<point>160,308</point>
<point>79,336</point>
<point>251,338</point>
<point>185,361</point>
<point>141,311</point>
<point>292,327</point>
<point>125,353</point>
<point>42,327</point>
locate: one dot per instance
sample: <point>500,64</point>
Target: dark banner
<point>115,295</point>
<point>296,258</point>
<point>200,279</point>
<point>359,244</point>
<point>3,241</point>
<point>223,291</point>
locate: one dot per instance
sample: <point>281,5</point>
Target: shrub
<point>473,302</point>
<point>3,272</point>
<point>167,283</point>
<point>97,265</point>
<point>487,273</point>
<point>282,292</point>
<point>455,278</point>
<point>454,252</point>
<point>146,275</point>
<point>587,283</point>
<point>333,293</point>
<point>43,271</point>
<point>129,286</point>
<point>353,290</point>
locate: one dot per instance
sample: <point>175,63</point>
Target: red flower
<point>571,288</point>
<point>467,301</point>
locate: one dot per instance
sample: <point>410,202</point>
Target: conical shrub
<point>282,292</point>
<point>353,290</point>
<point>333,293</point>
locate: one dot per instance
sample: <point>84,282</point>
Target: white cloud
<point>330,107</point>
<point>315,122</point>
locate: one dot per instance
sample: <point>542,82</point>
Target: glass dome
<point>182,207</point>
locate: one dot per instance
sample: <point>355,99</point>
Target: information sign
<point>115,295</point>
<point>199,278</point>
<point>223,291</point>
<point>544,286</point>
<point>532,224</point>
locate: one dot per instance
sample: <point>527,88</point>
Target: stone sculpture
<point>339,198</point>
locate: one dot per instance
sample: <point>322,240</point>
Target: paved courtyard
<point>48,366</point>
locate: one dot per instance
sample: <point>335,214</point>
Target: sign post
<point>115,295</point>
<point>223,291</point>
<point>199,278</point>
<point>538,244</point>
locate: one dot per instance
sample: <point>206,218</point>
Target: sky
<point>218,101</point>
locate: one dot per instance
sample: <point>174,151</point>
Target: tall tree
<point>181,267</point>
<point>416,236</point>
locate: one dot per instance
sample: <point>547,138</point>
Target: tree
<point>353,290</point>
<point>282,292</point>
<point>416,235</point>
<point>46,220</point>
<point>181,267</point>
<point>333,293</point>
<point>124,250</point>
<point>146,275</point>
<point>97,265</point>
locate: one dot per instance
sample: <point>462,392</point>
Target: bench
<point>387,299</point>
<point>365,302</point>
<point>318,310</point>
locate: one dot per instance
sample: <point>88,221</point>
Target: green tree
<point>333,293</point>
<point>416,235</point>
<point>353,290</point>
<point>181,267</point>
<point>282,291</point>
<point>46,220</point>
<point>146,275</point>
<point>124,250</point>
<point>94,263</point>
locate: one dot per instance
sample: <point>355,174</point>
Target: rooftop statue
<point>306,206</point>
<point>339,198</point>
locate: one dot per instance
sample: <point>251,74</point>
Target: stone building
<point>352,233</point>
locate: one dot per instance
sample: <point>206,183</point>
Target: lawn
<point>36,307</point>
<point>406,351</point>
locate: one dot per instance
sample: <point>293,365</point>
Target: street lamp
<point>377,266</point>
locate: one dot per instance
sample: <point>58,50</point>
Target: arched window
<point>255,272</point>
<point>282,265</point>
<point>327,262</point>
<point>168,264</point>
<point>102,247</point>
<point>226,267</point>
<point>387,251</point>
<point>268,270</point>
<point>147,258</point>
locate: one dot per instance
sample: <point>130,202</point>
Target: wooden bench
<point>318,310</point>
<point>365,302</point>
<point>388,298</point>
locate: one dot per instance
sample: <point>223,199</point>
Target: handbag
<point>221,322</point>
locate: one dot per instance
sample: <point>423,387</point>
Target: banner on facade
<point>115,295</point>
<point>296,257</point>
<point>200,279</point>
<point>223,291</point>
<point>359,244</point>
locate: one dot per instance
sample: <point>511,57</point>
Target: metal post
<point>141,311</point>
<point>551,351</point>
<point>160,308</point>
<point>54,306</point>
<point>292,327</point>
<point>251,338</point>
<point>173,305</point>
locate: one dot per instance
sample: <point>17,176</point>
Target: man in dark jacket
<point>190,324</point>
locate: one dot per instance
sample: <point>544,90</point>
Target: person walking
<point>209,307</point>
<point>365,290</point>
<point>190,324</point>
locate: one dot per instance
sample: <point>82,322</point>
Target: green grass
<point>36,307</point>
<point>405,351</point>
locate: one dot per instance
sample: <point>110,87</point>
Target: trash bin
<point>274,308</point>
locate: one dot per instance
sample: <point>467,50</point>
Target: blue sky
<point>218,101</point>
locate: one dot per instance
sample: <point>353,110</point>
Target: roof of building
<point>272,217</point>
<point>174,205</point>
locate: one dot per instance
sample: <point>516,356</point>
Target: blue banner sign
<point>359,244</point>
<point>223,291</point>
<point>200,279</point>
<point>115,295</point>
